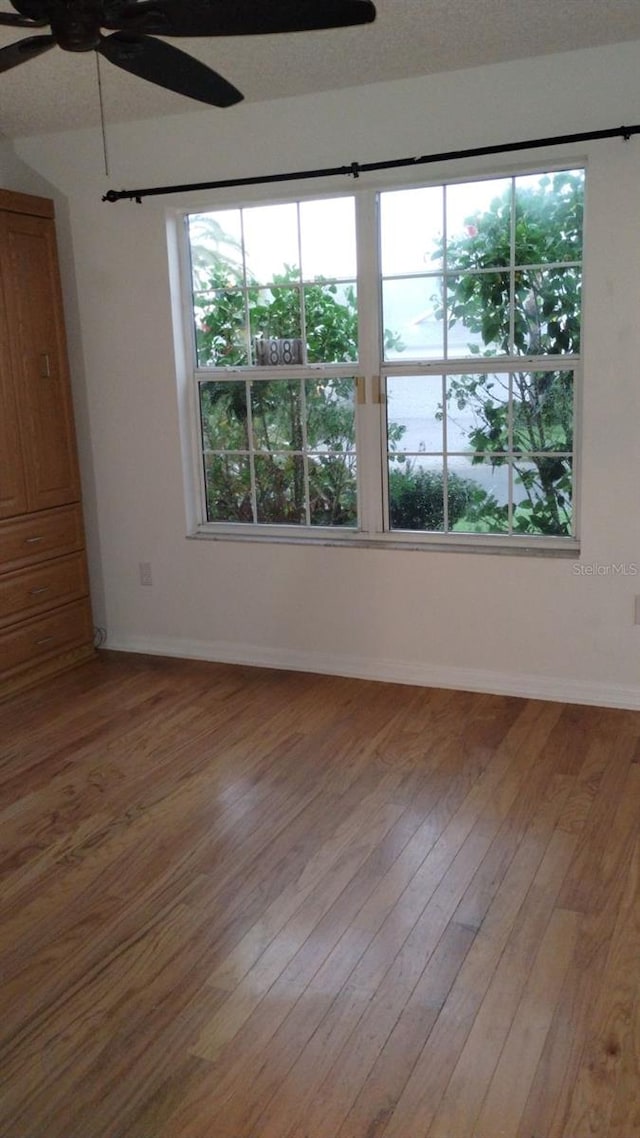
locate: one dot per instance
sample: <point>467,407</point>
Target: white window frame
<point>371,372</point>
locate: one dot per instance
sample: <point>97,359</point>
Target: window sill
<point>566,548</point>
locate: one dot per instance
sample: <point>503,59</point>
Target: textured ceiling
<point>59,91</point>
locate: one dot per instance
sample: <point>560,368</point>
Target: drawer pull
<point>32,540</point>
<point>45,366</point>
<point>38,592</point>
<point>44,640</point>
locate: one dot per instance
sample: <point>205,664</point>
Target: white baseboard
<point>390,671</point>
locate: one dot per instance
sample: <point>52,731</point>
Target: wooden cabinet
<point>45,615</point>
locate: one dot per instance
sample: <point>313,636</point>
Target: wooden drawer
<point>43,587</point>
<point>36,537</point>
<point>57,632</point>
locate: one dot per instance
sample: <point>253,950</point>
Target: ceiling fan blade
<point>242,18</point>
<point>168,67</point>
<point>33,9</point>
<point>24,50</point>
<point>10,20</point>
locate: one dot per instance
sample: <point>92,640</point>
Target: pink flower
<point>471,230</point>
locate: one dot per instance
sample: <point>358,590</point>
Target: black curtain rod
<point>355,169</point>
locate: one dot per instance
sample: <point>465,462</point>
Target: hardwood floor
<point>247,904</point>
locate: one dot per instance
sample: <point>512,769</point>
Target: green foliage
<point>546,301</point>
<point>545,507</point>
<point>221,321</point>
<point>416,498</point>
<point>283,414</point>
<point>541,318</point>
<point>228,319</point>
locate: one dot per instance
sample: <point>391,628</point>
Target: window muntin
<point>479,323</point>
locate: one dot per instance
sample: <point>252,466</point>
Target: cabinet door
<point>35,326</point>
<point>13,491</point>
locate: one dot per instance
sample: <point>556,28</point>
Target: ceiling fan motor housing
<point>76,23</point>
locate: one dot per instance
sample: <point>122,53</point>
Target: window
<point>424,390</point>
<point>276,320</point>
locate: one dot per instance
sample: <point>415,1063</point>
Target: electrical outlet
<point>636,611</point>
<point>144,569</point>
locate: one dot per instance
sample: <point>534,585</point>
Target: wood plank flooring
<point>246,904</point>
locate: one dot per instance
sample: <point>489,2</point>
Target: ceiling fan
<point>76,25</point>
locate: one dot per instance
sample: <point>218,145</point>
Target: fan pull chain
<point>102,123</point>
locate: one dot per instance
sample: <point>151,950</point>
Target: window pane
<point>221,328</point>
<point>549,217</point>
<point>276,410</point>
<point>228,488</point>
<point>543,411</point>
<point>547,311</point>
<point>331,424</point>
<point>478,314</point>
<point>216,248</point>
<point>416,494</point>
<point>328,238</point>
<point>478,413</point>
<point>413,318</point>
<point>485,486</point>
<point>280,489</point>
<point>477,495</point>
<point>543,492</point>
<point>331,321</point>
<point>414,414</point>
<point>479,224</point>
<point>333,490</point>
<point>275,314</point>
<point>223,414</point>
<point>411,227</point>
<point>271,242</point>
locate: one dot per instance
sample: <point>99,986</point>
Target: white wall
<point>528,625</point>
<point>16,175</point>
